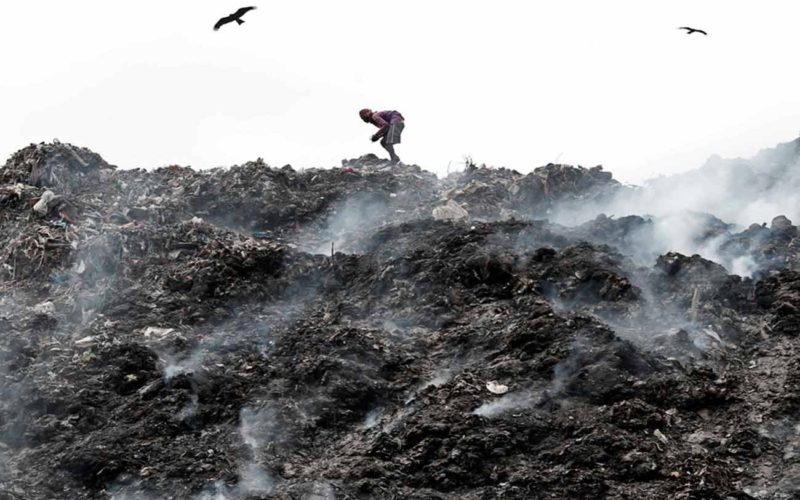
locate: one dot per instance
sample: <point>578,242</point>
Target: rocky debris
<point>582,274</point>
<point>59,166</point>
<point>767,248</point>
<point>182,334</point>
<point>564,184</point>
<point>783,225</point>
<point>277,200</point>
<point>696,268</point>
<point>623,231</point>
<point>780,294</point>
<point>496,193</point>
<point>483,191</point>
<point>450,211</point>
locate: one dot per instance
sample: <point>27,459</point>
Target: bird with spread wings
<point>689,30</point>
<point>236,16</point>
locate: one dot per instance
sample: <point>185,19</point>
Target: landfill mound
<point>372,331</point>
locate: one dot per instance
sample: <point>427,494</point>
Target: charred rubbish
<point>259,332</point>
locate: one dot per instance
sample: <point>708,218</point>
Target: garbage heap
<point>499,193</point>
<point>174,333</point>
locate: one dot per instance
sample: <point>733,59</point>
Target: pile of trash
<point>62,167</point>
<point>499,193</point>
<point>372,331</point>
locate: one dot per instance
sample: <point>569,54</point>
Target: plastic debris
<point>496,388</point>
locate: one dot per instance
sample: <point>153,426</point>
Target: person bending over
<point>390,127</point>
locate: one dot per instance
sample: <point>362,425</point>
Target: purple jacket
<point>390,116</point>
<point>382,119</point>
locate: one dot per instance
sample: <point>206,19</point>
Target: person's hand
<point>373,138</point>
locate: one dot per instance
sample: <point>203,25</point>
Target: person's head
<point>365,114</point>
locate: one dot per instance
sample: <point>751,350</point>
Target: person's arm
<point>381,124</point>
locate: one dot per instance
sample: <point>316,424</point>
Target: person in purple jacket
<point>390,125</point>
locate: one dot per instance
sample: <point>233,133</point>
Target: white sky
<point>511,83</point>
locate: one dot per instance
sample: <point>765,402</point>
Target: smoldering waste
<point>371,331</point>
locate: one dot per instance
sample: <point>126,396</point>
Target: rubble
<point>492,193</point>
<point>175,333</point>
<point>63,167</point>
<point>450,211</point>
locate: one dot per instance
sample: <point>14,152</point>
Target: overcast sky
<point>510,83</point>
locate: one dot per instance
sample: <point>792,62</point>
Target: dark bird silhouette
<point>689,30</point>
<point>236,16</point>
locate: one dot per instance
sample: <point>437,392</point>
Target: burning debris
<point>371,331</point>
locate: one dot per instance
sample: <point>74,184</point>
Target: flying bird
<point>236,16</point>
<point>689,30</point>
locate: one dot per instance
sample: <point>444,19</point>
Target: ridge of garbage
<point>373,331</point>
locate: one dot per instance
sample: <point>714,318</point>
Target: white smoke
<point>188,365</point>
<point>257,428</point>
<point>261,324</point>
<point>190,409</point>
<point>354,219</point>
<point>508,402</point>
<point>563,372</point>
<point>437,379</point>
<point>372,418</point>
<point>739,192</point>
